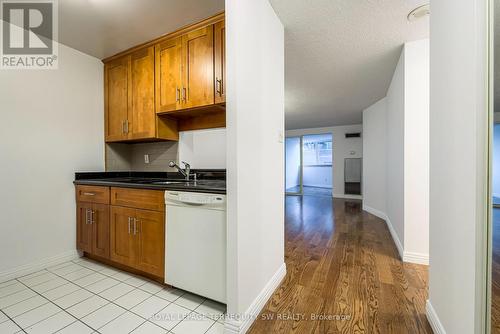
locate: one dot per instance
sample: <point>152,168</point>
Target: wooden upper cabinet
<point>220,61</point>
<point>142,114</point>
<point>116,86</point>
<point>198,68</point>
<point>168,85</point>
<point>175,82</point>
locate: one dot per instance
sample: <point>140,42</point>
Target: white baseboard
<point>394,235</point>
<point>37,265</point>
<point>417,258</point>
<point>375,212</point>
<point>347,196</point>
<point>433,318</point>
<point>242,325</point>
<point>411,257</point>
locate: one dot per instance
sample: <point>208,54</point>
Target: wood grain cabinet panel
<point>116,98</point>
<point>92,194</point>
<point>121,237</point>
<point>220,61</point>
<point>83,227</point>
<point>138,198</point>
<point>142,114</point>
<point>100,230</point>
<point>150,242</point>
<point>130,112</point>
<point>168,85</point>
<point>198,68</point>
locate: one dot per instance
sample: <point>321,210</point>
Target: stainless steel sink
<point>171,182</point>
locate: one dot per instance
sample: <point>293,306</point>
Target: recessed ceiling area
<point>102,28</point>
<point>340,56</point>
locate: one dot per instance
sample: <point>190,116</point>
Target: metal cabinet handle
<point>89,194</point>
<point>126,126</point>
<point>135,226</point>
<point>177,94</point>
<point>86,216</point>
<point>184,93</point>
<point>123,127</point>
<point>218,86</point>
<point>92,220</point>
<point>129,219</point>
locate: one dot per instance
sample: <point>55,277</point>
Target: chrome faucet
<point>185,172</point>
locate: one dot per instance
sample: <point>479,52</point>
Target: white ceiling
<point>340,55</point>
<point>103,28</point>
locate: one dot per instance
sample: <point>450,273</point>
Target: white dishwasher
<point>196,243</point>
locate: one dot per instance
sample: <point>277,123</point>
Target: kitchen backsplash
<point>130,157</point>
<point>203,149</point>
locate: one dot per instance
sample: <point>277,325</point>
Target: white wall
<point>395,150</point>
<point>51,126</point>
<point>203,149</point>
<point>292,168</point>
<point>342,148</point>
<point>458,165</point>
<point>416,149</point>
<point>396,178</point>
<point>375,158</point>
<point>255,155</point>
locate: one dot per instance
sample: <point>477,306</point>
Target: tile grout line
<point>109,301</point>
<point>112,302</point>
<point>9,318</point>
<point>53,314</point>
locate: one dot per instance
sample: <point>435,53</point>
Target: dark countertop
<point>208,181</point>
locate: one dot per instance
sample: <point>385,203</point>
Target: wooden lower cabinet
<point>83,227</point>
<point>92,232</point>
<point>122,241</point>
<point>150,237</point>
<point>138,239</point>
<point>122,226</point>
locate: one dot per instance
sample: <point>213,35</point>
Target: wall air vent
<point>353,135</point>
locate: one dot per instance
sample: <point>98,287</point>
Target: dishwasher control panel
<point>173,197</point>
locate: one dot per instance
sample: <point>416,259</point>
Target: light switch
<point>146,158</point>
<point>280,137</point>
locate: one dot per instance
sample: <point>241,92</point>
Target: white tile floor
<point>86,297</point>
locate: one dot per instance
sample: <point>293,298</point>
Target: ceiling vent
<point>353,135</point>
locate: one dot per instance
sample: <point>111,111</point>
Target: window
<point>317,153</point>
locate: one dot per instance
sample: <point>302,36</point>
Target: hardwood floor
<point>495,273</point>
<point>341,262</point>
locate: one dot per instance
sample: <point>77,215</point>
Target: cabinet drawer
<point>138,198</point>
<point>92,194</point>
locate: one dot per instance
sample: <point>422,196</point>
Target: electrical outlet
<point>146,158</point>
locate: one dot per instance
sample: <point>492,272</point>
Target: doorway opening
<point>309,165</point>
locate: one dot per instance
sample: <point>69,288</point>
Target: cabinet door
<point>198,68</point>
<point>141,112</point>
<point>100,230</point>
<point>150,237</point>
<point>220,61</point>
<point>83,227</point>
<point>122,238</point>
<point>168,75</point>
<point>116,83</point>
